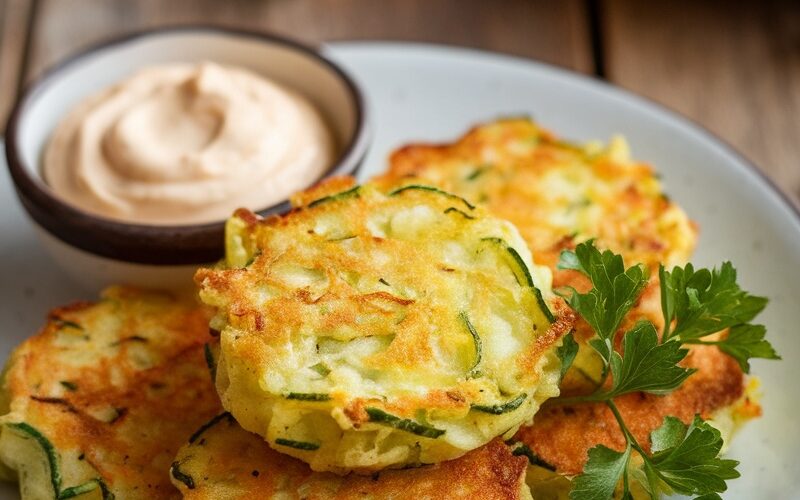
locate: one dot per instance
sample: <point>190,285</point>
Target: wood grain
<point>14,19</point>
<point>732,66</point>
<point>555,32</point>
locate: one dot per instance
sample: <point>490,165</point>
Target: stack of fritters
<point>390,325</point>
<point>559,194</point>
<point>103,398</point>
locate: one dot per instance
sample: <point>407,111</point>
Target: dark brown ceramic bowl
<point>152,247</point>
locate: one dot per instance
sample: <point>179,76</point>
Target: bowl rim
<point>38,199</point>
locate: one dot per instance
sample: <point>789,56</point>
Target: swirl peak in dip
<point>186,144</point>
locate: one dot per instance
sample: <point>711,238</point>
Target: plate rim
<point>785,200</point>
<point>707,137</point>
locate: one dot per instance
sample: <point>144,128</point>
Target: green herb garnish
<point>566,352</point>
<point>696,304</point>
<point>704,302</point>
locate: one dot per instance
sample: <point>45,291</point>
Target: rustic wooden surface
<point>559,37</point>
<point>14,21</point>
<point>732,66</point>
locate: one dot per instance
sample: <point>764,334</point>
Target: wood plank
<point>14,16</point>
<point>555,32</point>
<point>62,28</point>
<point>732,66</point>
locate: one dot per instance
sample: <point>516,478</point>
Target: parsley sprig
<point>703,302</point>
<point>696,305</point>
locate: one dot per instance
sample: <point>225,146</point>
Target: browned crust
<point>152,409</point>
<point>564,323</point>
<point>229,462</point>
<point>490,472</point>
<point>562,434</point>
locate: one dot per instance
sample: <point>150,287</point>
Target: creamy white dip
<point>183,144</point>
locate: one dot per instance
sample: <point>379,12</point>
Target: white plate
<point>421,92</point>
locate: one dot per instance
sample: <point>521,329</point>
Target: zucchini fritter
<point>223,461</point>
<point>379,327</point>
<point>559,194</point>
<point>102,398</point>
<point>556,193</point>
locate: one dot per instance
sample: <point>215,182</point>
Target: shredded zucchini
<point>321,369</point>
<point>299,445</point>
<point>476,339</point>
<point>211,423</point>
<point>55,469</point>
<point>181,476</point>
<point>210,362</point>
<point>308,396</point>
<point>521,273</point>
<point>459,212</point>
<point>380,416</point>
<point>418,187</point>
<point>352,192</point>
<point>520,448</point>
<point>503,408</point>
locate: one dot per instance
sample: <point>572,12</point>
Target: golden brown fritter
<point>102,398</point>
<point>225,461</point>
<point>556,192</point>
<point>559,194</point>
<point>381,326</point>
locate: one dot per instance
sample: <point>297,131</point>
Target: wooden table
<point>732,66</point>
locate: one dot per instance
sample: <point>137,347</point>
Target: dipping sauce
<point>184,144</point>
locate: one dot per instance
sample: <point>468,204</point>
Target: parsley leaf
<point>669,435</point>
<point>704,302</point>
<point>614,288</point>
<point>745,342</point>
<point>683,459</point>
<point>686,458</point>
<point>601,474</point>
<point>647,365</point>
<point>603,347</point>
<point>566,352</point>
